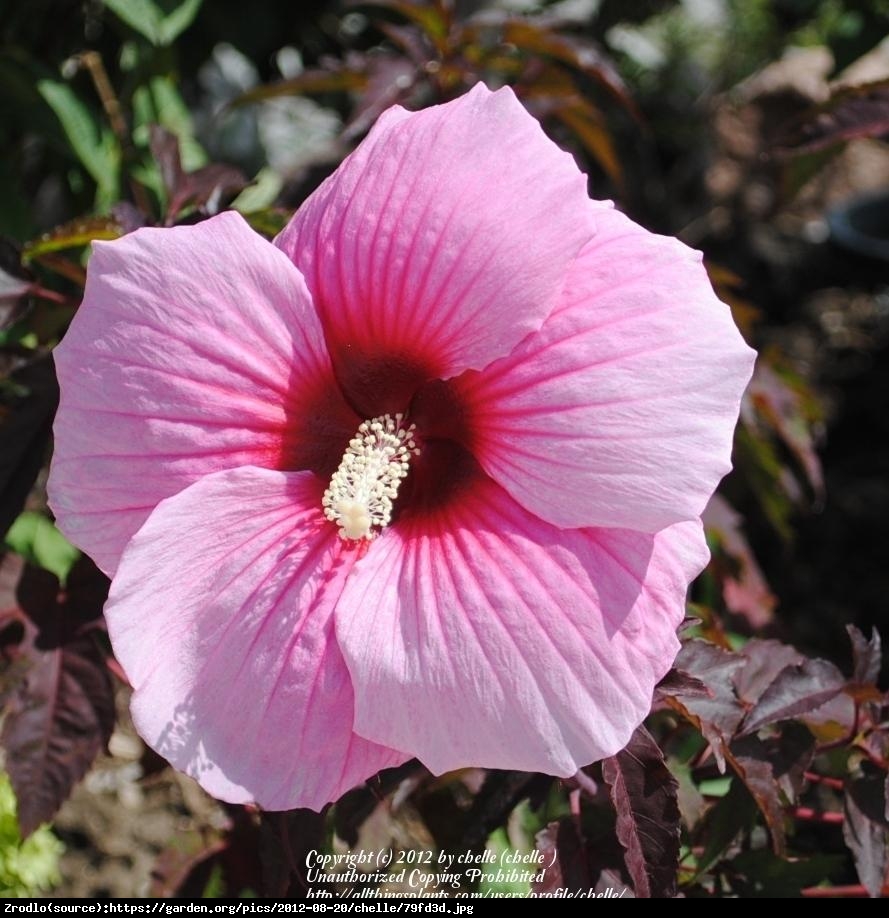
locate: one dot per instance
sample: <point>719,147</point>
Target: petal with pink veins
<point>196,349</point>
<point>221,615</point>
<point>620,411</point>
<point>482,636</point>
<point>441,241</point>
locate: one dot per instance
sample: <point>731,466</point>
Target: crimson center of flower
<point>360,496</point>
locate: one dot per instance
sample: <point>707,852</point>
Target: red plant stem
<point>839,892</point>
<point>807,814</point>
<point>117,670</point>
<point>834,783</point>
<point>583,782</point>
<point>46,294</point>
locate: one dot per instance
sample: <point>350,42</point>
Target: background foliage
<point>742,126</point>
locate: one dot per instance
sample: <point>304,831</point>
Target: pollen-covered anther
<point>362,490</point>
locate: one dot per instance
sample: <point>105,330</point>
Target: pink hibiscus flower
<point>420,478</point>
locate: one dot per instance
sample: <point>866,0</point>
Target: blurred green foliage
<point>30,867</point>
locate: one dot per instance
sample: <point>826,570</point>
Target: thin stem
<point>839,892</point>
<point>807,814</point>
<point>834,783</point>
<point>583,782</point>
<point>44,293</point>
<point>113,109</point>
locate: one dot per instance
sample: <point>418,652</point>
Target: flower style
<point>420,478</point>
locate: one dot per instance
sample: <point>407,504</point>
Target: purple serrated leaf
<point>765,659</point>
<point>718,716</point>
<point>759,778</point>
<point>789,753</point>
<point>867,656</point>
<point>644,793</point>
<point>285,839</point>
<point>563,855</point>
<point>796,690</point>
<point>207,188</point>
<point>60,713</point>
<point>679,682</point>
<point>865,829</point>
<point>580,865</point>
<point>851,112</point>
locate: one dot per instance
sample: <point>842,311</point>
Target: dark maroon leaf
<point>796,690</point>
<point>564,858</point>
<point>759,779</point>
<point>833,720</point>
<point>577,864</point>
<point>354,807</point>
<point>789,753</point>
<point>497,797</point>
<point>210,188</point>
<point>867,656</point>
<point>851,112</point>
<point>164,147</point>
<point>285,840</point>
<point>61,714</point>
<point>128,217</point>
<point>717,717</point>
<point>764,660</point>
<point>644,795</point>
<point>677,682</point>
<point>865,829</point>
<point>25,425</point>
<point>207,188</point>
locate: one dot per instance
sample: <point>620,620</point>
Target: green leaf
<point>160,102</point>
<point>93,143</point>
<point>261,194</point>
<point>494,879</point>
<point>30,867</point>
<point>160,22</point>
<point>36,539</point>
<point>71,235</point>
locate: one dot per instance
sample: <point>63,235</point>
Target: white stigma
<point>366,483</point>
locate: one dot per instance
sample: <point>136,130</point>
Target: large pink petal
<point>483,636</point>
<point>221,615</point>
<point>442,240</point>
<point>195,349</point>
<point>620,412</point>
